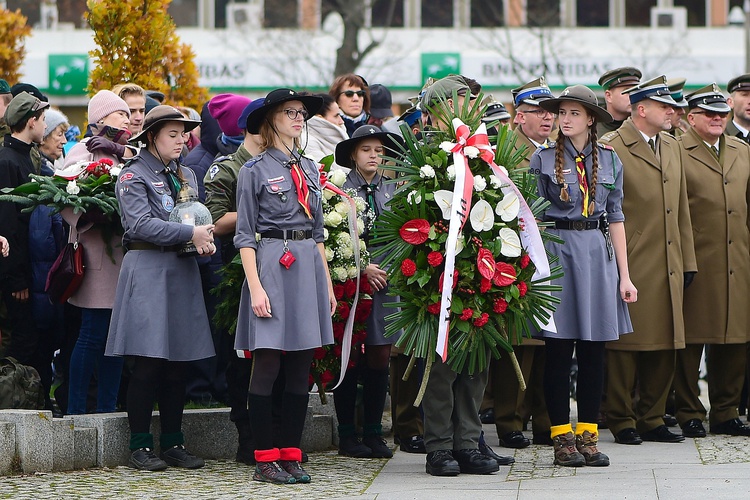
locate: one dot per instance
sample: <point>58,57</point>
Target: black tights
<point>373,369</point>
<point>266,367</point>
<point>155,379</point>
<point>557,379</point>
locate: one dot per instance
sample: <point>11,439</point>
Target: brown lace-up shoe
<point>586,445</point>
<point>566,453</point>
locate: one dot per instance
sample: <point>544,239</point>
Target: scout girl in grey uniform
<point>362,154</point>
<point>583,182</point>
<point>159,318</point>
<point>287,298</point>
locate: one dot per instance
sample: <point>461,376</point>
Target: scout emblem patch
<point>167,202</point>
<point>126,177</point>
<point>213,171</point>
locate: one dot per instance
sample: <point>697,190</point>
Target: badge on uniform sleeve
<point>158,185</point>
<point>167,202</point>
<point>126,176</point>
<point>213,171</point>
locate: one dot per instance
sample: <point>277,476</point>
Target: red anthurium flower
<point>455,279</point>
<point>415,231</point>
<point>505,274</point>
<point>486,263</point>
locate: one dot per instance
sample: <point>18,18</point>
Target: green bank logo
<point>440,64</point>
<point>68,74</point>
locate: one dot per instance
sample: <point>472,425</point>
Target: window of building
<point>29,8</point>
<point>487,13</point>
<point>592,13</point>
<point>388,13</point>
<point>638,12</point>
<point>543,13</point>
<point>696,11</point>
<point>437,14</point>
<point>184,12</point>
<point>280,14</point>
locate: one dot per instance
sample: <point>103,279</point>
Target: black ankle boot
<point>246,444</point>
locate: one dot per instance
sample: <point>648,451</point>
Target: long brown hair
<point>560,160</point>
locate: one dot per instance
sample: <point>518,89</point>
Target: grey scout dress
<point>591,307</point>
<point>159,310</point>
<point>382,194</point>
<point>300,308</point>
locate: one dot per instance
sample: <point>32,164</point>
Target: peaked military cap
<point>675,88</point>
<point>620,76</point>
<point>741,82</point>
<point>709,98</point>
<point>532,93</point>
<point>656,90</point>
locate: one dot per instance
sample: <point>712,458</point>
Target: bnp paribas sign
<point>68,74</point>
<point>440,64</point>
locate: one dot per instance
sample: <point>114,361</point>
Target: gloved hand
<point>688,278</point>
<point>105,146</point>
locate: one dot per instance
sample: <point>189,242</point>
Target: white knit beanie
<point>104,103</point>
<point>53,119</point>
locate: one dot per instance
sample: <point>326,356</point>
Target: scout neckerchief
<point>303,193</point>
<point>583,184</point>
<point>174,181</point>
<point>370,189</point>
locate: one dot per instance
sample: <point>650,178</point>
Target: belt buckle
<point>579,225</point>
<point>298,234</point>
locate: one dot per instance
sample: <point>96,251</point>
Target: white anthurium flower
<point>451,172</point>
<point>444,199</point>
<point>337,177</point>
<point>481,216</point>
<point>508,207</point>
<point>447,146</point>
<point>511,243</point>
<point>427,172</point>
<point>460,243</point>
<point>72,187</point>
<point>414,197</point>
<point>480,184</point>
<point>471,152</point>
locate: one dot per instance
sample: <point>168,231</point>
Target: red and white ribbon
<point>461,205</point>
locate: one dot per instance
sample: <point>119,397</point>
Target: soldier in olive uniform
<point>717,167</point>
<point>512,406</point>
<point>679,125</point>
<point>618,105</point>
<point>739,100</point>
<point>660,253</point>
<point>534,124</point>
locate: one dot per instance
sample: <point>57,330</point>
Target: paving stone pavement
<point>333,476</point>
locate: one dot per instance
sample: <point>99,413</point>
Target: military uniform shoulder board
<point>608,136</point>
<point>606,146</point>
<point>223,158</point>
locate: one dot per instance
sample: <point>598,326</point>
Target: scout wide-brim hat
<point>311,103</point>
<point>161,114</point>
<point>582,95</point>
<point>345,149</point>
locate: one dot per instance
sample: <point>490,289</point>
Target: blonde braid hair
<point>594,167</point>
<point>559,160</point>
